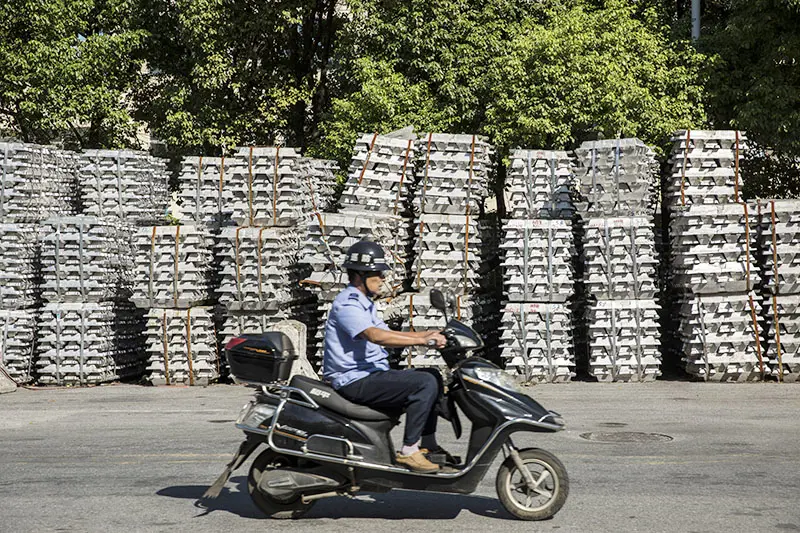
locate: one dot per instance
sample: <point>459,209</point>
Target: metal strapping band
<point>5,340</point>
<point>402,175</point>
<point>550,258</point>
<point>250,185</point>
<point>3,182</point>
<point>58,260</point>
<point>175,284</point>
<point>119,189</point>
<point>189,345</point>
<point>638,334</point>
<point>221,183</point>
<point>594,173</point>
<point>607,252</point>
<point>366,161</point>
<point>197,198</point>
<point>634,254</point>
<point>275,186</point>
<point>81,285</point>
<point>524,332</point>
<point>419,253</point>
<point>260,254</point>
<point>238,267</point>
<point>82,313</point>
<point>736,168</point>
<point>525,252</point>
<point>165,342</point>
<point>756,334</point>
<point>683,170</point>
<point>775,315</point>
<point>529,184</point>
<point>614,354</point>
<point>98,178</point>
<point>152,265</point>
<point>59,377</point>
<point>701,316</point>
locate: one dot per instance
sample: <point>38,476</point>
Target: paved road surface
<point>129,458</point>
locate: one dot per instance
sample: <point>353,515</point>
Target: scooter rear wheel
<point>537,503</point>
<point>274,508</point>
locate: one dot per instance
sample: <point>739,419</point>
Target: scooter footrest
<point>441,459</point>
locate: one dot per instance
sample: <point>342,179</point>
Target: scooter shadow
<point>394,505</point>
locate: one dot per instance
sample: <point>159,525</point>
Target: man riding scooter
<point>356,362</point>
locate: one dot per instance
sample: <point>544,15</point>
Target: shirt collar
<point>363,299</point>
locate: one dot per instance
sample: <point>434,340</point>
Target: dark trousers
<point>414,391</point>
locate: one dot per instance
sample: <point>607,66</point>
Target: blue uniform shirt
<point>349,357</point>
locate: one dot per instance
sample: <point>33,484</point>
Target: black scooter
<point>319,445</point>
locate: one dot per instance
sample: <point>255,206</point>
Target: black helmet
<point>365,256</point>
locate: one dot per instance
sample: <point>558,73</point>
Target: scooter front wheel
<point>272,507</point>
<point>549,490</point>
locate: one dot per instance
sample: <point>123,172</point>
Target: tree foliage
<point>226,72</point>
<point>530,74</point>
<point>66,66</point>
<point>755,87</point>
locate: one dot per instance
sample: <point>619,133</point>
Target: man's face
<point>374,281</point>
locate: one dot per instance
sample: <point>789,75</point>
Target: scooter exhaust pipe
<point>313,497</point>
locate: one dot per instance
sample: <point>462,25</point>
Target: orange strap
<point>755,331</point>
<point>275,187</point>
<point>425,177</point>
<point>419,261</point>
<point>402,176</point>
<point>466,235</point>
<point>165,341</point>
<point>776,318</point>
<point>177,263</point>
<point>250,186</point>
<point>458,307</point>
<point>747,243</point>
<point>189,345</point>
<point>736,168</point>
<point>366,161</point>
<point>221,174</point>
<point>683,170</point>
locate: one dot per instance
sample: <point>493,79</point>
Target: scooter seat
<point>327,397</point>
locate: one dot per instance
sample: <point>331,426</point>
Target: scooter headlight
<point>498,377</point>
<point>255,414</point>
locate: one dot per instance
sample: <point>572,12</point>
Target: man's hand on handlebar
<point>435,338</point>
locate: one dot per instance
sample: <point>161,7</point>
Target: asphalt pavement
<point>691,457</point>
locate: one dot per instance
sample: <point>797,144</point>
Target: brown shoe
<point>417,462</point>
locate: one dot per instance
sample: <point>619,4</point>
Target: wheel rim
<point>541,495</point>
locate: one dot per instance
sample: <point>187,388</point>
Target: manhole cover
<point>625,436</point>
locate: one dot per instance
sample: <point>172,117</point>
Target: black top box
<point>262,358</point>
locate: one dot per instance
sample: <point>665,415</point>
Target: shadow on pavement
<point>394,505</point>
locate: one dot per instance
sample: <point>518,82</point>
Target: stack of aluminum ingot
<point>705,168</point>
<point>36,182</point>
<point>538,252</point>
<point>127,185</point>
<point>18,331</point>
<point>714,269</point>
<point>618,186</point>
<point>202,182</point>
<point>779,243</point>
<point>321,182</point>
<point>268,187</point>
<point>454,179</point>
<point>87,334</point>
<point>89,343</point>
<point>174,266</point>
<point>540,185</point>
<point>380,176</point>
<point>182,346</point>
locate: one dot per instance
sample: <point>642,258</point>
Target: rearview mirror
<point>438,300</point>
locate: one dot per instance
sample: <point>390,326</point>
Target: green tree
<point>228,72</point>
<point>67,67</point>
<point>547,74</point>
<point>755,86</point>
<point>584,71</point>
